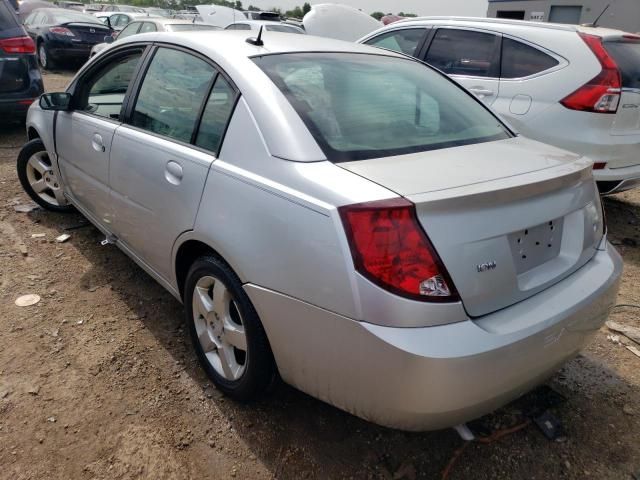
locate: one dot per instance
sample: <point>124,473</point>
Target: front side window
<point>216,115</point>
<point>104,92</point>
<point>521,60</point>
<point>120,20</point>
<point>464,52</point>
<point>370,106</point>
<point>403,41</point>
<point>172,93</point>
<point>129,30</point>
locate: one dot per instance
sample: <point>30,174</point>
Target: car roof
<point>496,23</point>
<point>230,51</point>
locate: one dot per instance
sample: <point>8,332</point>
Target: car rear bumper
<point>616,180</point>
<point>435,377</point>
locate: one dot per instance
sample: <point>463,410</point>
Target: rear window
<point>520,60</point>
<point>283,29</point>
<point>627,56</point>
<point>183,27</point>
<point>369,106</point>
<point>69,16</point>
<point>7,17</point>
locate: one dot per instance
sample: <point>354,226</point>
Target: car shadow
<point>296,436</point>
<point>623,223</point>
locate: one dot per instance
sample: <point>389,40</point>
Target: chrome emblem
<point>92,30</point>
<point>485,267</point>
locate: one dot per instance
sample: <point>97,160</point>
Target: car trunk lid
<point>88,32</point>
<point>507,218</point>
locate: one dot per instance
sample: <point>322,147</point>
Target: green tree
<point>253,8</point>
<point>306,8</point>
<point>295,13</point>
<point>402,14</point>
<point>377,15</point>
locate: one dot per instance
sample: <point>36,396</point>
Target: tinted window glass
<point>104,93</point>
<point>627,56</point>
<point>282,28</point>
<point>520,60</point>
<point>463,52</point>
<point>68,16</point>
<point>370,106</point>
<point>129,30</point>
<point>403,41</point>
<point>239,26</point>
<point>171,94</point>
<point>7,17</point>
<point>215,116</point>
<point>148,27</point>
<point>183,27</point>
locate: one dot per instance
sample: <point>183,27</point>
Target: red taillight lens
<point>62,31</point>
<point>602,93</point>
<point>390,248</point>
<point>18,45</point>
<point>599,165</point>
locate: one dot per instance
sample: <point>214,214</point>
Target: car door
<point>161,156</point>
<point>471,57</point>
<point>84,134</point>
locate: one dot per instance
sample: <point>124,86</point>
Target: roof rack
<point>502,21</point>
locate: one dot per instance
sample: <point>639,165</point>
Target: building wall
<point>622,14</point>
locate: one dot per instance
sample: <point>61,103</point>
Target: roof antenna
<point>258,40</point>
<point>595,22</point>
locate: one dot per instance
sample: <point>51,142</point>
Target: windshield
<point>282,28</point>
<point>183,27</point>
<point>627,56</point>
<point>69,16</point>
<point>370,106</point>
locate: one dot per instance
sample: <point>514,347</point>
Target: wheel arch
<point>188,249</point>
<point>32,133</point>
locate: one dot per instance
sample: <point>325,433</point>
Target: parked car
<point>268,25</point>
<point>159,12</point>
<point>78,6</point>
<point>348,217</point>
<point>63,35</point>
<point>574,87</point>
<point>123,8</point>
<point>154,25</point>
<point>118,20</point>
<point>20,78</point>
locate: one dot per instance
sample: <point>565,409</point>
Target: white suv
<point>574,87</point>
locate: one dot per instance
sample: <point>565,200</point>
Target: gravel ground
<point>98,381</point>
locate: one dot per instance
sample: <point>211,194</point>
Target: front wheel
<point>227,334</point>
<point>38,178</point>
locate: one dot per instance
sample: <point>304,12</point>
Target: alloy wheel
<point>42,56</point>
<point>43,179</point>
<point>219,328</point>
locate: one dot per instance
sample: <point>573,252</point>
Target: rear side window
<point>627,56</point>
<point>129,30</point>
<point>521,60</point>
<point>369,106</point>
<point>171,94</point>
<point>403,41</point>
<point>216,115</point>
<point>464,52</point>
<point>148,27</point>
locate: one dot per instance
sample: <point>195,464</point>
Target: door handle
<point>173,172</point>
<point>97,143</point>
<point>481,92</point>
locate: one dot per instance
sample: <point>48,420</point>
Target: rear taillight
<point>18,45</point>
<point>599,165</point>
<point>602,93</point>
<point>62,31</point>
<point>390,248</point>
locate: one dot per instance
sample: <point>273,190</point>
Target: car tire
<point>221,322</point>
<point>44,58</point>
<point>38,178</point>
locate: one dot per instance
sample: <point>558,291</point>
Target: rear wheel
<point>44,58</point>
<point>38,178</point>
<point>225,330</point>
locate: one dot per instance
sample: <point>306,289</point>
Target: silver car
<point>345,217</point>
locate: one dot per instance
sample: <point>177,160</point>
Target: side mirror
<point>55,101</point>
<point>108,39</point>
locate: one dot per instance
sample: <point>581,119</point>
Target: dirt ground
<point>98,381</point>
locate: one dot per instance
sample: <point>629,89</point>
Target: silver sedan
<point>345,217</point>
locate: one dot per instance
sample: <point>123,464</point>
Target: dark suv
<point>20,78</point>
